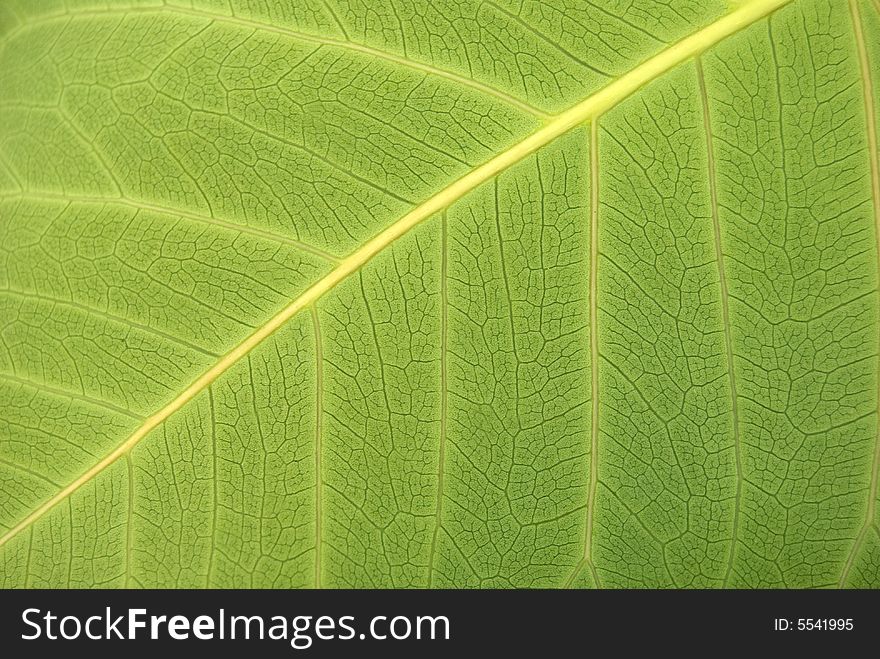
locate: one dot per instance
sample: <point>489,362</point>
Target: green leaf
<point>456,294</point>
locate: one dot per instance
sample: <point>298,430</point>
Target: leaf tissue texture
<point>513,293</point>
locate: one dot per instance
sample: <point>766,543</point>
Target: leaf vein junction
<point>590,108</point>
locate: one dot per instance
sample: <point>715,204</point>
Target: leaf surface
<point>479,294</point>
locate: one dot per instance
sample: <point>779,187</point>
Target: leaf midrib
<point>589,109</point>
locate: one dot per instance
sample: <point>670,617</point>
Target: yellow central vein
<point>870,118</point>
<point>742,16</point>
<point>725,316</point>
